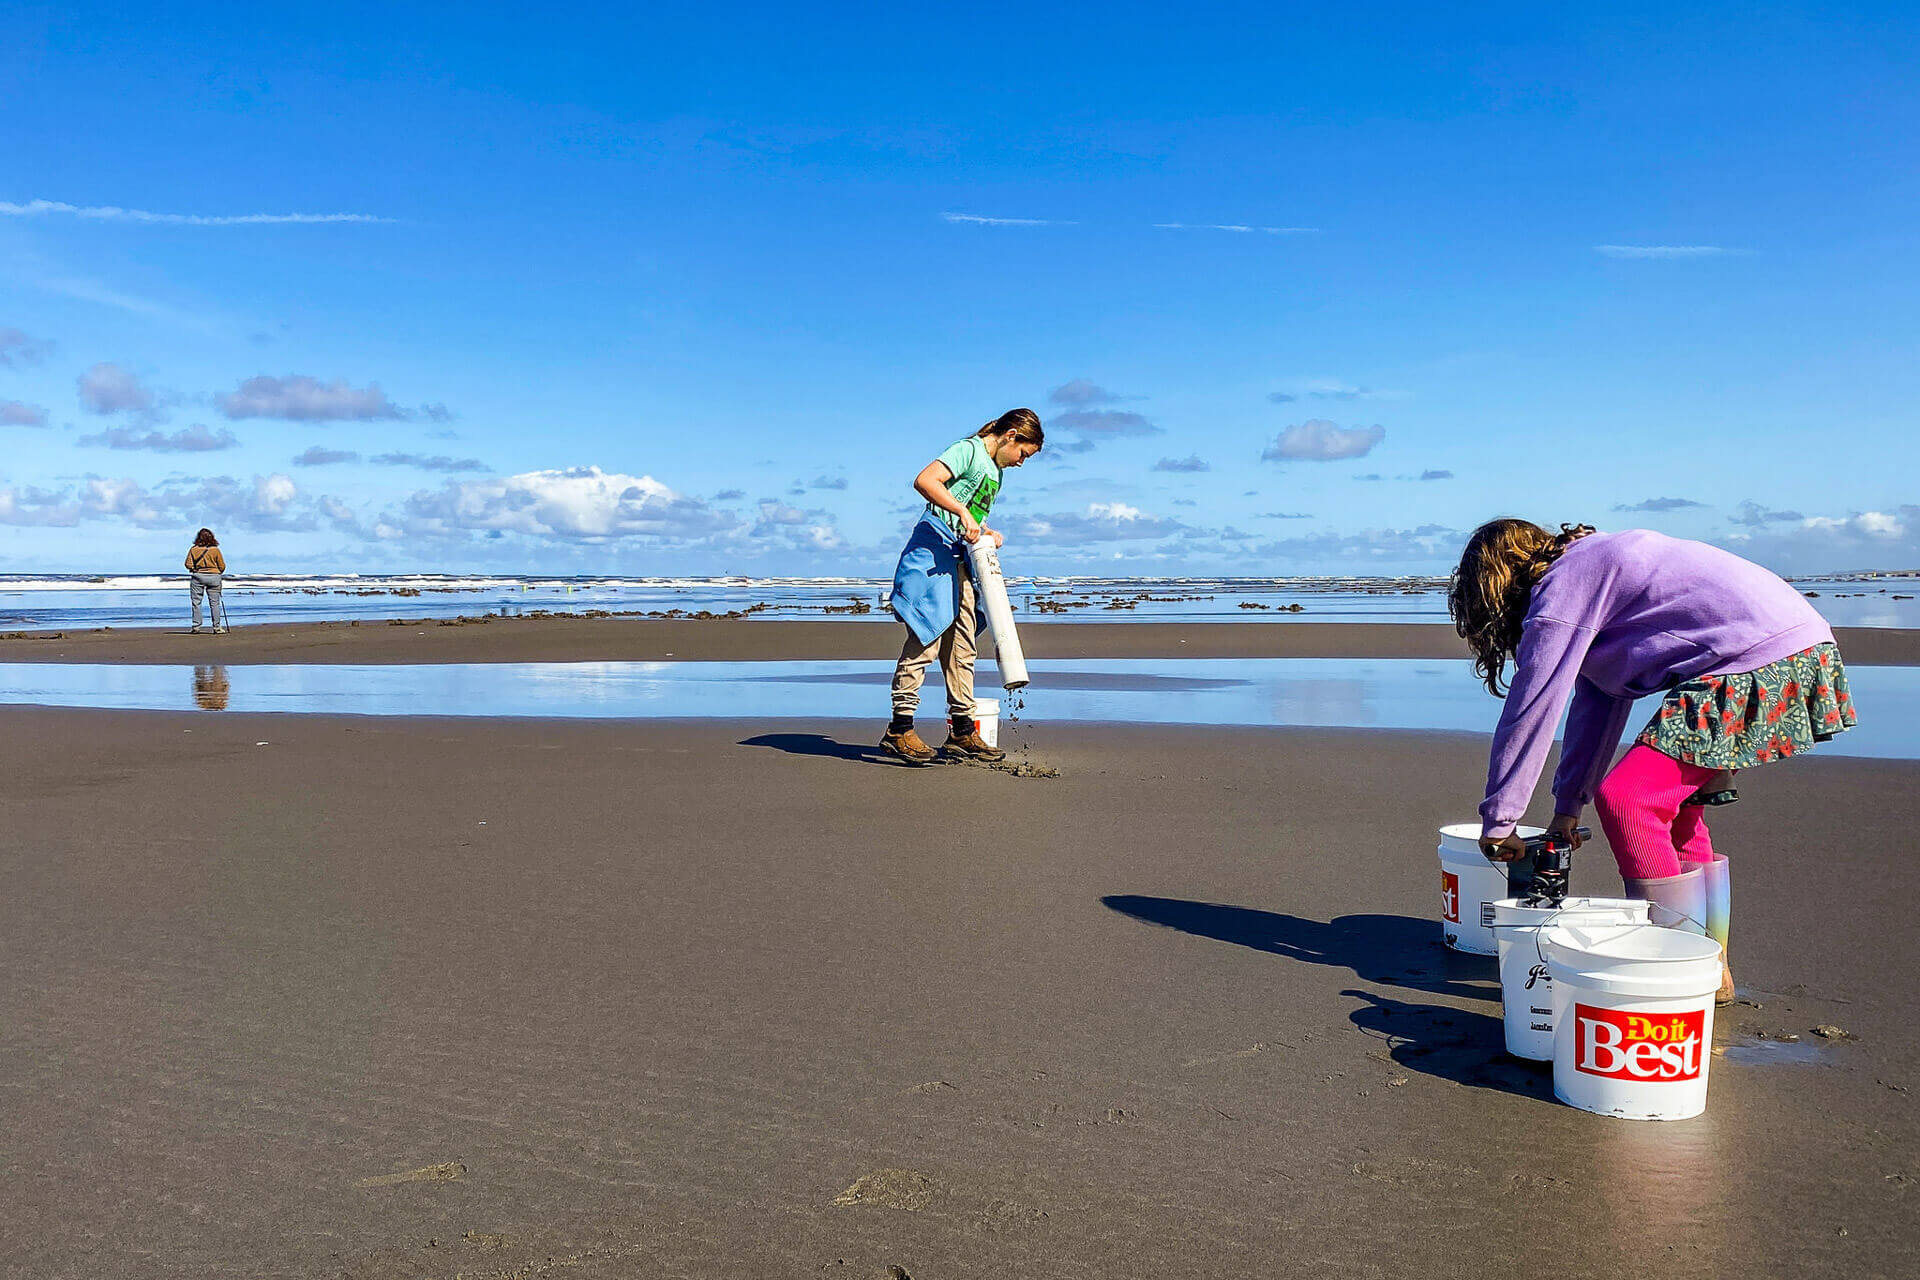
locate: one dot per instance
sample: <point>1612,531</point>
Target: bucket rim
<point>1668,977</point>
<point>1596,906</point>
<point>1569,940</point>
<point>1470,832</point>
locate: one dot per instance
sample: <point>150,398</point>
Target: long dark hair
<point>1023,423</point>
<point>1493,585</point>
<point>205,538</point>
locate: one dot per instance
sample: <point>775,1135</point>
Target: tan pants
<point>954,648</point>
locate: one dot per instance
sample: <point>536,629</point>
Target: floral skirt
<point>1738,721</point>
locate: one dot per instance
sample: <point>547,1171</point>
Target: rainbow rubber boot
<point>1719,919</point>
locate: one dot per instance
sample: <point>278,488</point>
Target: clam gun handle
<point>1544,843</point>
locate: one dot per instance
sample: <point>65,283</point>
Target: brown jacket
<point>206,560</point>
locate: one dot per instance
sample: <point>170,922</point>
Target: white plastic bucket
<point>1526,984</point>
<point>1467,882</point>
<point>986,719</point>
<point>1632,1018</point>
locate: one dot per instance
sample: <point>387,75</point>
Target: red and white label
<point>1450,897</point>
<point>1649,1047</point>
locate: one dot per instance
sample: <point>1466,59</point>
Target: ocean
<point>56,602</point>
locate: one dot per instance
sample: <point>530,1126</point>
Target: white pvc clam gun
<point>1467,882</point>
<point>992,587</point>
<point>1632,1018</point>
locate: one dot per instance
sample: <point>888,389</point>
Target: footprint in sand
<point>890,1189</point>
<point>451,1171</point>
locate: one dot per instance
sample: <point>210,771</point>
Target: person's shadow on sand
<point>1437,1040</point>
<point>1398,951</point>
<point>818,744</point>
<point>1452,1044</point>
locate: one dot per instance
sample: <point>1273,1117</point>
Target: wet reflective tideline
<point>1330,692</point>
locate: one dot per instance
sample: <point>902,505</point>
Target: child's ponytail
<point>1023,423</point>
<point>1490,590</point>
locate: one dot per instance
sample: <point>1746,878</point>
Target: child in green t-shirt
<point>933,585</point>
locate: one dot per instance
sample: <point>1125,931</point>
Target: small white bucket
<point>1526,985</point>
<point>1632,1018</point>
<point>1467,882</point>
<point>986,718</point>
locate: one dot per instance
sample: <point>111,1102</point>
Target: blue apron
<point>926,584</point>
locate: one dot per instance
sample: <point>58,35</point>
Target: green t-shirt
<point>976,479</point>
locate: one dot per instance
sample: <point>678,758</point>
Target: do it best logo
<point>1659,1047</point>
<point>1450,896</point>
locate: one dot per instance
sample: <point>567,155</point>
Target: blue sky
<point>699,290</point>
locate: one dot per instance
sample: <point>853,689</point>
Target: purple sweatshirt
<point>1617,617</point>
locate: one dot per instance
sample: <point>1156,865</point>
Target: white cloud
<point>1386,548</point>
<point>107,388</point>
<point>1752,515</point>
<point>298,398</point>
<point>435,462</point>
<point>1864,524</point>
<point>774,513</point>
<point>977,220</point>
<point>1331,389</point>
<point>317,456</point>
<point>18,350</point>
<point>30,506</point>
<point>84,290</point>
<point>1317,440</point>
<point>1192,462</point>
<point>265,504</point>
<point>113,213</point>
<point>194,439</point>
<point>1106,422</point>
<point>1659,504</point>
<point>1243,228</point>
<point>1100,522</point>
<point>577,504</point>
<point>1668,251</point>
<point>1083,393</point>
<point>18,413</point>
<point>788,526</point>
<point>1821,544</point>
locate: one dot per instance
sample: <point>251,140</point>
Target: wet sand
<point>556,639</point>
<point>435,998</point>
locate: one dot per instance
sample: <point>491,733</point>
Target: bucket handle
<point>1546,924</point>
<point>1486,922</point>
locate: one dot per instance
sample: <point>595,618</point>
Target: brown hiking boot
<point>908,746</point>
<point>971,745</point>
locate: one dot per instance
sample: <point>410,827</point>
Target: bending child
<point>1749,672</point>
<point>933,586</point>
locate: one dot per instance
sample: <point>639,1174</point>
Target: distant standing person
<point>1747,671</point>
<point>205,567</point>
<point>933,586</point>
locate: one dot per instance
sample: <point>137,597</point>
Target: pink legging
<point>1640,809</point>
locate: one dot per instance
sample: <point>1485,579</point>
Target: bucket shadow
<point>818,744</point>
<point>1397,951</point>
<point>1451,1044</point>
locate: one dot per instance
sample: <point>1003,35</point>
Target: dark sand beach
<point>564,639</point>
<point>352,997</point>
